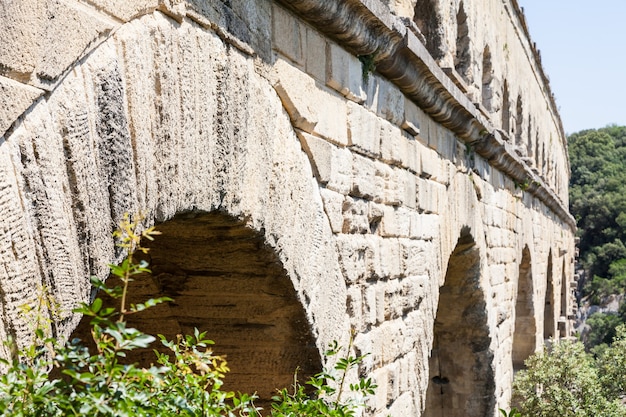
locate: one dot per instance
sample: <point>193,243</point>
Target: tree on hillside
<point>598,202</point>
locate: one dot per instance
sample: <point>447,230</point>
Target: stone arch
<point>225,280</point>
<point>548,313</point>
<point>164,117</point>
<point>524,334</point>
<point>428,20</point>
<point>461,379</point>
<point>487,79</point>
<point>506,109</point>
<point>462,57</point>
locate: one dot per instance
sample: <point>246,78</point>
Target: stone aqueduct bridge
<point>302,195</point>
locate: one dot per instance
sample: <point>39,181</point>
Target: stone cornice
<point>366,27</point>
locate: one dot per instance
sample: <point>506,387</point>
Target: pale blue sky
<point>583,50</point>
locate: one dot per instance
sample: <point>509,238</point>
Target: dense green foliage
<point>598,202</point>
<point>567,381</point>
<point>50,378</point>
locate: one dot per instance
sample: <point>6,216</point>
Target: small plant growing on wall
<point>52,378</point>
<point>368,66</point>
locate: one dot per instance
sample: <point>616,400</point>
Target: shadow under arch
<point>525,331</point>
<point>225,280</point>
<point>461,380</point>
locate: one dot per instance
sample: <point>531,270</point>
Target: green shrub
<point>50,378</point>
<point>566,381</point>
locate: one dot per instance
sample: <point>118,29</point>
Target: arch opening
<point>506,109</point>
<point>429,23</point>
<point>548,313</point>
<point>519,122</point>
<point>462,59</point>
<point>226,281</point>
<point>487,78</point>
<point>461,382</point>
<point>524,335</point>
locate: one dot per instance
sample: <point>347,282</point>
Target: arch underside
<point>225,281</point>
<point>461,371</point>
<point>525,331</point>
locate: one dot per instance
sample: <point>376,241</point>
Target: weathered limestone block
<point>354,306</point>
<point>355,216</point>
<point>17,250</point>
<point>395,222</point>
<point>64,21</point>
<point>415,257</point>
<point>390,259</point>
<point>333,207</point>
<point>364,130</point>
<point>302,99</point>
<point>364,173</point>
<point>332,165</point>
<point>246,25</point>
<point>403,8</point>
<point>385,99</point>
<point>15,98</point>
<point>396,148</point>
<point>430,197</point>
<point>389,184</point>
<point>288,35</point>
<point>19,34</point>
<point>315,59</point>
<point>42,168</point>
<point>425,226</point>
<point>359,258</point>
<point>344,73</point>
<point>91,205</point>
<point>407,187</point>
<point>433,166</point>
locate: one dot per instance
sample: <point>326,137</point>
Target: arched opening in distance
<point>462,59</point>
<point>487,89</point>
<point>429,23</point>
<point>529,146</point>
<point>519,122</point>
<point>524,335</point>
<point>461,382</point>
<point>548,313</point>
<point>226,281</point>
<point>506,109</point>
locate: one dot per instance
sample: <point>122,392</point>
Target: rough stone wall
<point>365,184</point>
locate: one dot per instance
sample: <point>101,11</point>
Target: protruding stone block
<point>302,100</point>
